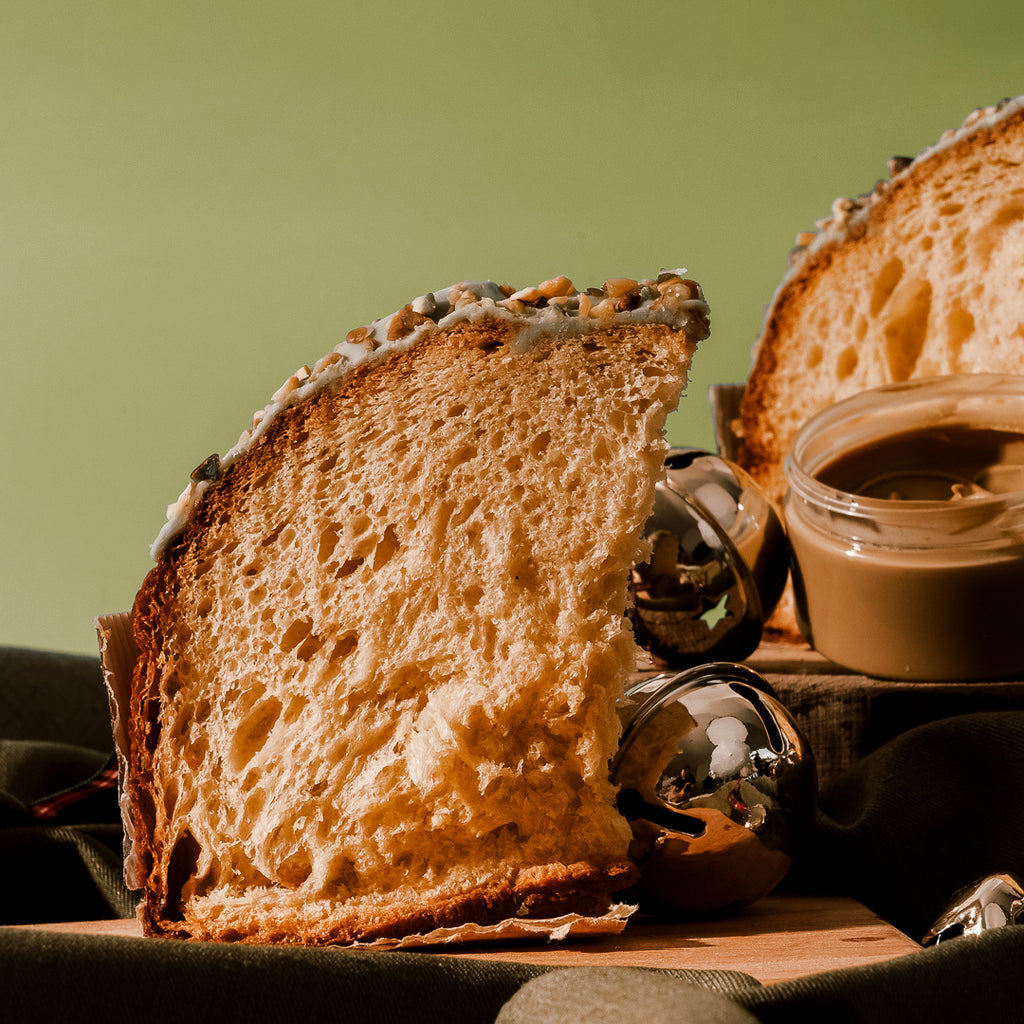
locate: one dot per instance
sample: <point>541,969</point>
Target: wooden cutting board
<point>779,938</point>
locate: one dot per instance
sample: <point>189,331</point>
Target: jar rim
<point>900,407</point>
<point>897,408</point>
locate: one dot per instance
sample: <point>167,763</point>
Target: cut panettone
<point>381,647</point>
<point>921,277</point>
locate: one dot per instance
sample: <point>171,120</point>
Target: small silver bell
<point>718,785</point>
<point>718,566</point>
<point>994,902</point>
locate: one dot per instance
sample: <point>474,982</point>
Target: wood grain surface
<point>779,938</point>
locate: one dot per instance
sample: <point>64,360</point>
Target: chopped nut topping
<point>462,295</point>
<point>528,295</point>
<point>291,384</point>
<point>675,291</point>
<point>425,304</point>
<point>328,360</point>
<point>404,322</point>
<point>556,287</point>
<point>208,469</point>
<point>617,287</point>
<point>604,310</point>
<point>362,336</point>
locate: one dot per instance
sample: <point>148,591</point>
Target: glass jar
<point>905,516</point>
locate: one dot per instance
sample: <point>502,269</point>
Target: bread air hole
<point>959,326</point>
<point>465,454</point>
<point>346,568</point>
<point>295,634</point>
<point>602,451</point>
<point>885,284</point>
<point>181,866</point>
<point>847,362</point>
<point>987,239</point>
<point>343,647</point>
<point>271,538</point>
<point>327,542</point>
<point>906,325</point>
<point>252,732</point>
<point>295,708</point>
<point>540,443</point>
<point>465,511</point>
<point>254,804</point>
<point>341,876</point>
<point>308,647</point>
<point>295,869</point>
<point>170,795</point>
<point>387,548</point>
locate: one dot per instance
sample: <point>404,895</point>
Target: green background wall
<point>196,198</point>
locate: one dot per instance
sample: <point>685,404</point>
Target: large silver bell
<point>718,784</point>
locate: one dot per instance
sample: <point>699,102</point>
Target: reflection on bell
<point>994,902</point>
<point>718,565</point>
<point>718,785</point>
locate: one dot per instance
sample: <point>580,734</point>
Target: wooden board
<point>779,938</point>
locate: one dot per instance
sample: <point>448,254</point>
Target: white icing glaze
<point>565,314</point>
<point>847,212</point>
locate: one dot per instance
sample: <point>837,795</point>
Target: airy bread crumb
<point>382,646</point>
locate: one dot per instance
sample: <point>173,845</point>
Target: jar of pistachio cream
<point>905,516</point>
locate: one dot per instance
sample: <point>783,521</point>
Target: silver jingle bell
<point>994,902</point>
<point>718,784</point>
<point>718,565</point>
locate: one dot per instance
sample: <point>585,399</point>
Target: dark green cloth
<point>963,981</point>
<point>935,809</point>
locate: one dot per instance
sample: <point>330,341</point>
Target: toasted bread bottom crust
<point>579,889</point>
